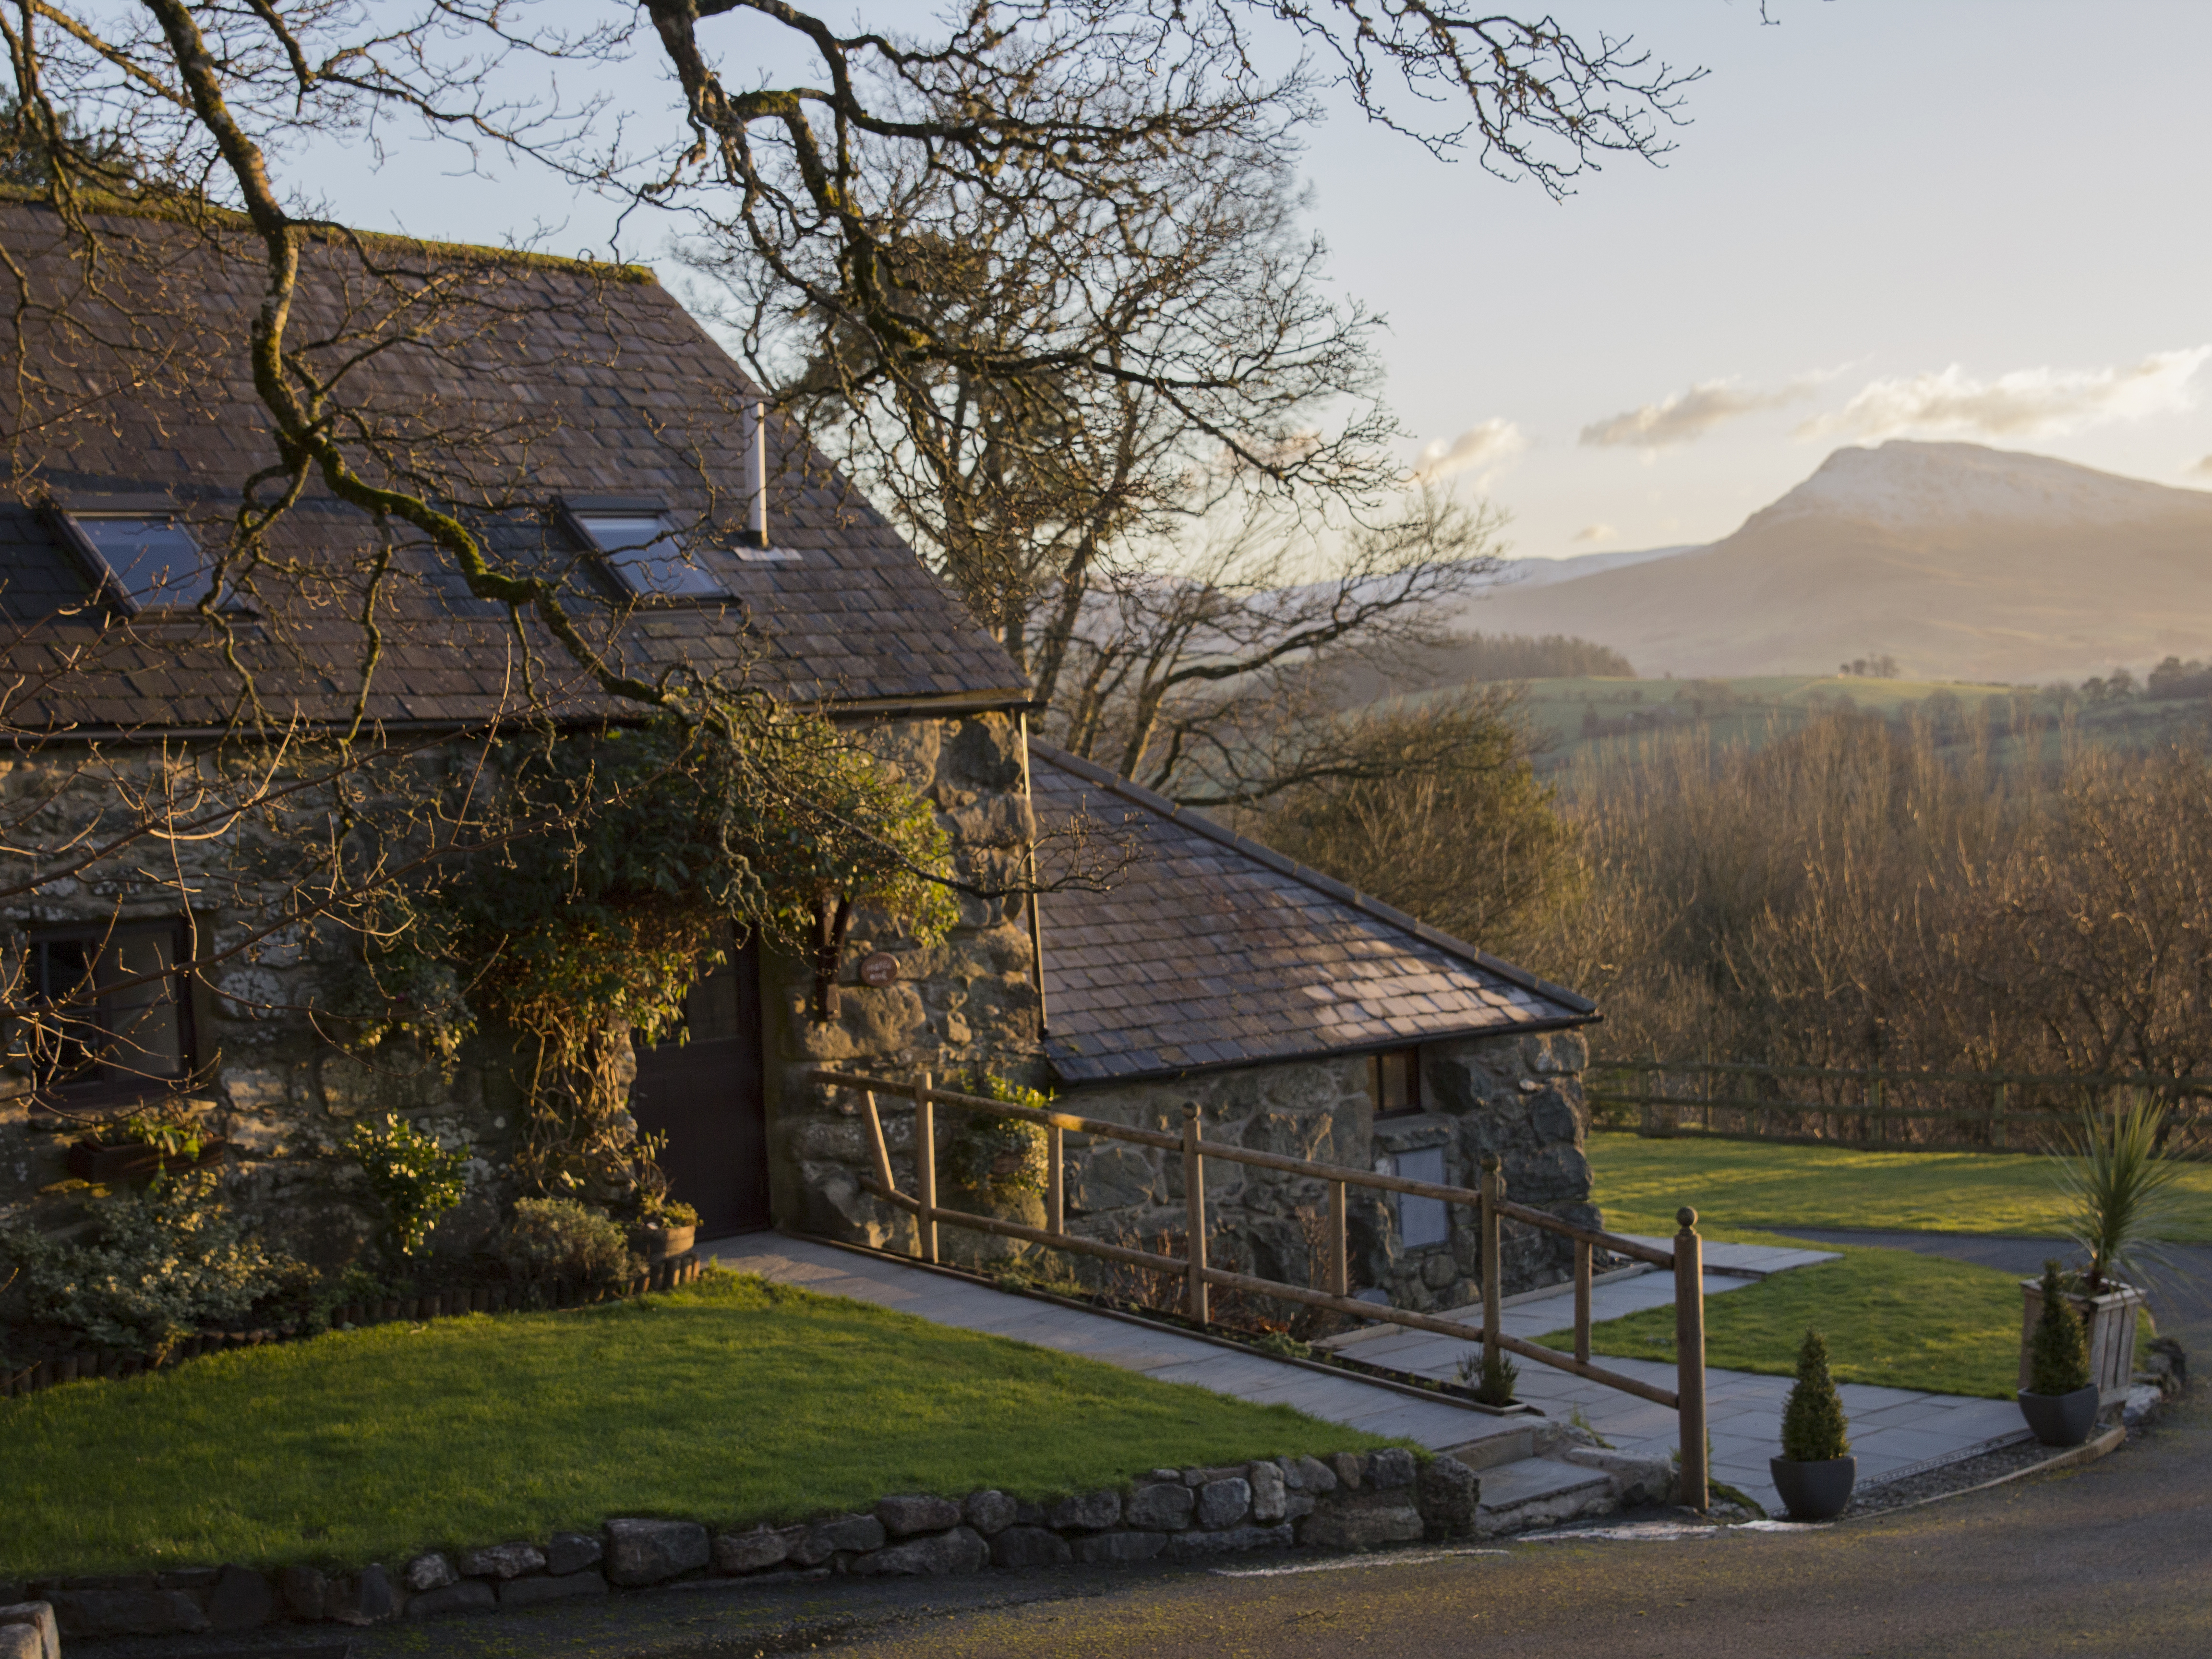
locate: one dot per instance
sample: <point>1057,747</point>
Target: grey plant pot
<point>1815,1492</point>
<point>2061,1420</point>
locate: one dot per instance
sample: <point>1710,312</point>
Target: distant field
<point>1587,716</point>
<point>1735,1184</point>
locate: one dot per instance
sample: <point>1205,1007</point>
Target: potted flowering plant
<point>1816,1471</point>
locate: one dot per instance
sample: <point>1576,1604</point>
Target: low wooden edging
<point>2088,1452</point>
<point>93,1364</point>
<point>1352,1500</point>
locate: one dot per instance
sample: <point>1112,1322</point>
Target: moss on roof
<point>183,210</point>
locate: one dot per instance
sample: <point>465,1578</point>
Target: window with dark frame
<point>149,561</point>
<point>648,557</point>
<point>116,1018</point>
<point>1394,1082</point>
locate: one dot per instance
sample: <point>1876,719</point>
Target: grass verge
<point>730,1400</point>
<point>1737,1183</point>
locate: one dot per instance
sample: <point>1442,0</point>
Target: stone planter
<point>131,1160</point>
<point>980,1252</point>
<point>1815,1492</point>
<point>2109,1322</point>
<point>659,1243</point>
<point>2061,1420</point>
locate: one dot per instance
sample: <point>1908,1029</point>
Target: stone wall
<point>969,1002</point>
<point>1353,1500</point>
<point>286,1098</point>
<point>1518,1097</point>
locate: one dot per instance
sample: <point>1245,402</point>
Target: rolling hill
<point>1961,561</point>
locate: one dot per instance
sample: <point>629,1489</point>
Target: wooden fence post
<point>1997,1118</point>
<point>1690,1359</point>
<point>1582,1299</point>
<point>1339,1253</point>
<point>1194,1205</point>
<point>1056,1183</point>
<point>1494,1192</point>
<point>924,1165</point>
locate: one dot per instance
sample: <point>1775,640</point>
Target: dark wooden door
<point>705,1094</point>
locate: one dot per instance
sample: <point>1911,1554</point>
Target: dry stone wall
<point>1352,1501</point>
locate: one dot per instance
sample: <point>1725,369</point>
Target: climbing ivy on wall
<point>583,927</point>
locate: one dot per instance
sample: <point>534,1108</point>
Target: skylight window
<point>152,559</point>
<point>648,558</point>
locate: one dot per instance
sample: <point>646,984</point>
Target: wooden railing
<point>1876,1107</point>
<point>1686,1259</point>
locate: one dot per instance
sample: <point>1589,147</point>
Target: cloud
<point>1495,440</point>
<point>1688,415</point>
<point>1595,533</point>
<point>2027,403</point>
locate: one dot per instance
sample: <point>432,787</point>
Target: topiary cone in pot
<point>2060,1402</point>
<point>1816,1471</point>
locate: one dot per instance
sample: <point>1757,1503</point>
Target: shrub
<point>162,1264</point>
<point>973,1150</point>
<point>1813,1422</point>
<point>2058,1354</point>
<point>414,1179</point>
<point>561,1237</point>
<point>1493,1376</point>
<point>2120,1191</point>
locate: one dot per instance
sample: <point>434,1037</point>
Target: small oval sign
<point>879,968</point>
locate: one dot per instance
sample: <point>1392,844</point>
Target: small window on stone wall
<point>113,1017</point>
<point>1422,1222</point>
<point>1394,1082</point>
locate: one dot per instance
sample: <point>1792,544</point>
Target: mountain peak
<point>1909,485</point>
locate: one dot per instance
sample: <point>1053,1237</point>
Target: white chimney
<point>760,474</point>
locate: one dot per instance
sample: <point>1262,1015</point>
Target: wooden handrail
<point>1380,1312</point>
<point>1635,1249</point>
<point>1490,1205</point>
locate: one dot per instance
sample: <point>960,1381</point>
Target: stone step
<point>1542,1492</point>
<point>1506,1446</point>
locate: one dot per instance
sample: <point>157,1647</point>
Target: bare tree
<point>1218,682</point>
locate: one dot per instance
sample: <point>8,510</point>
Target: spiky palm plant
<point>2119,1191</point>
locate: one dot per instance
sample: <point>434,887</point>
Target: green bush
<point>413,1178</point>
<point>560,1238</point>
<point>2058,1354</point>
<point>1813,1422</point>
<point>974,1147</point>
<point>1492,1375</point>
<point>162,1264</point>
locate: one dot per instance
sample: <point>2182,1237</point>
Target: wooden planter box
<point>129,1160</point>
<point>2109,1322</point>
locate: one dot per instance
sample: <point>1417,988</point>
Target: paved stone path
<point>1891,1429</point>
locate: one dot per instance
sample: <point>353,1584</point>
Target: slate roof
<point>1212,950</point>
<point>586,383</point>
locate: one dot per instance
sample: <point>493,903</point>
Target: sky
<point>1980,219</point>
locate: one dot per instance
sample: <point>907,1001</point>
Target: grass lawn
<point>1742,1183</point>
<point>729,1401</point>
<point>1890,1317</point>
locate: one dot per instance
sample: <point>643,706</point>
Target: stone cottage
<point>619,452</point>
